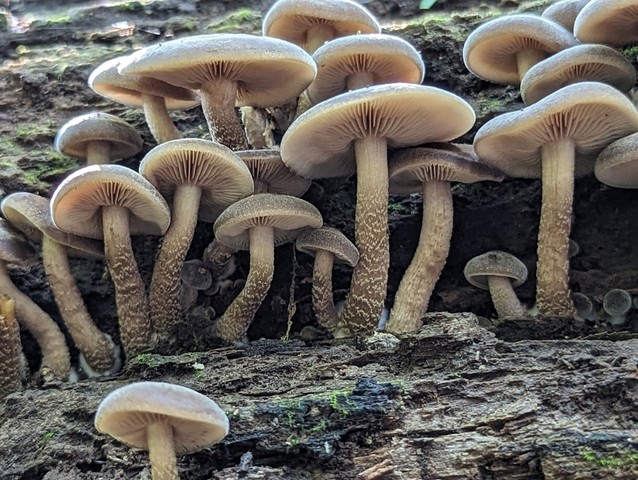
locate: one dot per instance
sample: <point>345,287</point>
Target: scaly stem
<point>159,123</point>
<point>161,451</point>
<point>218,104</point>
<point>506,303</point>
<point>322,301</point>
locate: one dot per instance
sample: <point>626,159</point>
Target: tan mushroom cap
<point>291,19</point>
<point>608,22</point>
<point>287,215</point>
<point>409,169</point>
<point>31,214</point>
<point>319,144</point>
<point>128,89</point>
<point>592,114</point>
<point>271,174</point>
<point>331,240</point>
<point>14,248</point>
<point>268,71</point>
<point>564,12</point>
<point>617,164</point>
<point>221,174</point>
<point>490,51</point>
<point>75,135</point>
<point>197,421</point>
<point>384,58</point>
<point>76,205</point>
<point>596,63</point>
<point>495,263</point>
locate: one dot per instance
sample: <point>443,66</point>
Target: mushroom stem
<point>505,301</point>
<point>130,296</point>
<point>526,59</point>
<point>161,451</point>
<point>165,305</point>
<point>322,301</point>
<point>368,288</point>
<point>96,347</point>
<point>11,366</point>
<point>218,104</point>
<point>359,80</point>
<point>317,35</point>
<point>98,152</point>
<point>553,297</point>
<point>159,123</point>
<point>55,352</point>
<point>235,321</point>
<point>413,295</point>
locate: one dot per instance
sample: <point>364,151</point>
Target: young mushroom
<point>328,246</point>
<point>500,273</point>
<point>616,303</point>
<point>617,164</point>
<point>12,366</point>
<point>165,419</point>
<point>30,214</point>
<point>259,223</point>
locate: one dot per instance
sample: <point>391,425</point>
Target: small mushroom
<point>195,276</point>
<point>616,303</point>
<point>328,245</point>
<point>613,23</point>
<point>165,419</point>
<point>617,164</point>
<point>564,12</point>
<point>500,273</point>
<point>12,365</point>
<point>584,308</point>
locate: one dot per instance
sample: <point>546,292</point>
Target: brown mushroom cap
<point>495,263</point>
<point>597,63</point>
<point>331,240</point>
<point>491,51</point>
<point>74,137</point>
<point>197,422</point>
<point>612,23</point>
<point>319,144</point>
<point>564,12</point>
<point>76,203</point>
<point>270,173</point>
<point>291,19</point>
<point>380,58</point>
<point>268,71</point>
<point>617,164</point>
<point>128,89</point>
<point>287,215</point>
<point>14,248</point>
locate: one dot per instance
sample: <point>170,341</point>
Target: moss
<point>613,461</point>
<point>630,51</point>
<point>129,7</point>
<point>244,20</point>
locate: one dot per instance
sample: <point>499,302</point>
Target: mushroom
<point>610,23</point>
<point>564,12</point>
<point>98,138</point>
<point>165,419</point>
<point>617,164</point>
<point>12,366</point>
<point>328,245</point>
<point>556,139</point>
<point>30,214</point>
<point>584,308</point>
<point>114,202</point>
<point>596,63</point>
<point>310,23</point>
<point>430,171</point>
<point>504,49</point>
<point>259,223</point>
<point>500,273</point>
<point>227,69</point>
<point>353,131</point>
<point>195,276</point>
<point>616,303</point>
<point>14,249</point>
<point>195,176</point>
<point>153,95</point>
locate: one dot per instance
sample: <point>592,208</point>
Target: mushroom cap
<point>220,173</point>
<point>291,19</point>
<point>196,274</point>
<point>387,58</point>
<point>128,89</point>
<point>564,12</point>
<point>288,216</point>
<point>592,114</point>
<point>617,301</point>
<point>76,205</point>
<point>408,169</point>
<point>490,51</point>
<point>612,23</point>
<point>617,164</point>
<point>266,166</point>
<point>320,143</point>
<point>197,421</point>
<point>31,214</point>
<point>14,248</point>
<point>596,63</point>
<point>74,136</point>
<point>495,263</point>
<point>268,71</point>
<point>331,240</point>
